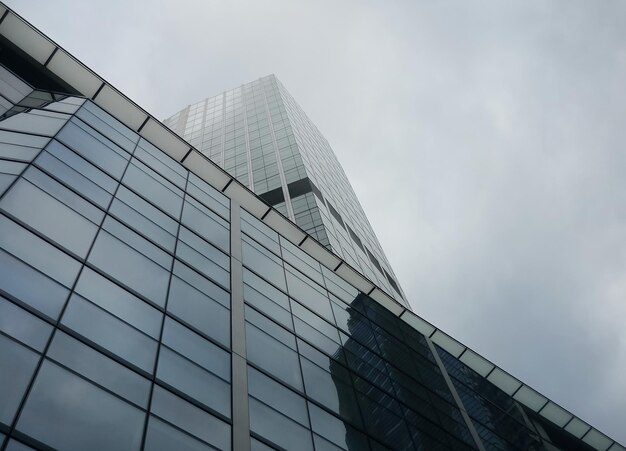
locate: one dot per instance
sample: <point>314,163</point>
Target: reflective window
<point>335,430</point>
<point>206,224</point>
<point>154,187</point>
<point>263,262</point>
<point>267,299</point>
<point>49,216</point>
<point>190,418</point>
<point>119,302</point>
<point>161,163</point>
<point>77,173</point>
<point>278,428</point>
<point>163,437</point>
<point>309,294</point>
<point>259,231</point>
<point>195,348</point>
<point>94,147</point>
<point>108,126</point>
<point>200,303</point>
<point>188,377</point>
<point>130,266</point>
<point>109,332</point>
<point>23,326</point>
<point>31,286</point>
<point>67,412</point>
<point>203,257</point>
<point>272,348</point>
<point>18,364</point>
<point>99,368</point>
<point>209,196</point>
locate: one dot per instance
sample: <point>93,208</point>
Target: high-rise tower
<point>260,135</point>
<point>150,302</point>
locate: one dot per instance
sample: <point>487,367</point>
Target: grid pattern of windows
<point>141,309</point>
<point>259,134</point>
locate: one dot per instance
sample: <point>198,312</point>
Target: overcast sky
<point>484,139</point>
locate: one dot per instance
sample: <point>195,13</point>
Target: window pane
<point>190,418</point>
<point>206,224</point>
<point>76,172</point>
<point>153,187</point>
<point>18,364</point>
<point>130,267</point>
<point>107,331</point>
<point>49,216</point>
<point>24,326</point>
<point>277,428</point>
<point>189,378</point>
<point>277,396</point>
<point>119,302</point>
<point>97,149</point>
<point>203,257</point>
<point>263,262</point>
<point>163,437</point>
<point>200,303</point>
<point>99,368</point>
<point>31,287</point>
<point>194,347</point>
<point>36,252</point>
<point>309,294</point>
<point>69,413</point>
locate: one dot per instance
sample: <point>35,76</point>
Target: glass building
<point>260,135</point>
<point>150,301</point>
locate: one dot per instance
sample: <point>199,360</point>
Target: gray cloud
<point>489,133</point>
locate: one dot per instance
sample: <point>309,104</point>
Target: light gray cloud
<point>489,133</point>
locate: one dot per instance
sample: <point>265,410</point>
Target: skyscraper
<point>150,301</point>
<point>260,135</point>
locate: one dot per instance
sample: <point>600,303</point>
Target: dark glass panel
<point>67,412</point>
<point>18,364</point>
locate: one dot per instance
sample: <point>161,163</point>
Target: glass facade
<point>260,135</point>
<point>141,308</point>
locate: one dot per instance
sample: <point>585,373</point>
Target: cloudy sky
<point>485,140</point>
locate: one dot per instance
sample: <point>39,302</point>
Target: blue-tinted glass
<point>36,252</point>
<point>50,217</point>
<point>160,162</point>
<point>23,326</point>
<point>263,262</point>
<point>302,261</point>
<point>315,330</point>
<point>30,286</point>
<point>277,396</point>
<point>309,294</point>
<point>186,376</point>
<point>68,197</point>
<point>144,218</point>
<point>99,368</point>
<point>267,299</point>
<point>332,428</point>
<point>200,303</point>
<point>163,437</point>
<point>18,446</point>
<point>203,257</point>
<point>209,196</point>
<point>274,353</point>
<point>108,126</point>
<point>109,332</point>
<point>194,347</point>
<point>95,148</point>
<point>153,187</point>
<point>119,302</point>
<point>206,224</point>
<point>66,412</point>
<point>18,364</point>
<point>259,231</point>
<point>76,172</point>
<point>130,267</point>
<point>190,418</point>
<point>278,428</point>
